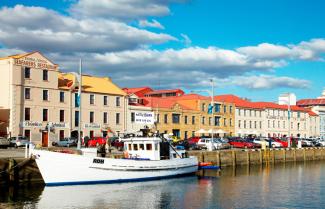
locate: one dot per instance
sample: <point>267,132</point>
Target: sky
<point>254,49</point>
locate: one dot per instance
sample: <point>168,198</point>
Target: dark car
<point>66,142</point>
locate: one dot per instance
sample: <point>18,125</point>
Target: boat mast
<point>79,101</point>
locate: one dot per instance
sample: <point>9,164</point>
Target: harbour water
<point>293,185</point>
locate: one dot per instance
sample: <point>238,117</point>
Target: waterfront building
<point>138,115</point>
<point>39,103</point>
<point>269,119</point>
<point>318,106</point>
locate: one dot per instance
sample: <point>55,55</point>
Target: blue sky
<point>257,49</point>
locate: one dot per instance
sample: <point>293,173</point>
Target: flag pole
<point>79,101</point>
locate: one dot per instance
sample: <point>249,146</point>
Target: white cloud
<point>187,41</point>
<point>265,51</point>
<point>37,28</point>
<point>153,24</point>
<point>122,9</point>
<point>268,82</point>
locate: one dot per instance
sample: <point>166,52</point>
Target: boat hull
<point>70,169</point>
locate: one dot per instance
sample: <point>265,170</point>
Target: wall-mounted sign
<point>34,63</point>
<point>30,124</point>
<point>144,117</point>
<point>60,125</point>
<point>92,125</point>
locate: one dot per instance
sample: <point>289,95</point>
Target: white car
<point>274,144</point>
<point>204,143</point>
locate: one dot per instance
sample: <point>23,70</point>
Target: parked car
<point>274,144</point>
<point>237,143</point>
<point>4,142</point>
<point>284,143</point>
<point>192,143</point>
<point>115,142</point>
<point>307,143</point>
<point>96,141</point>
<point>66,142</point>
<point>204,143</point>
<point>18,141</point>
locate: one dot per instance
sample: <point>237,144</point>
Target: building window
<point>203,120</point>
<point>27,93</point>
<point>118,101</point>
<point>268,123</point>
<point>91,99</point>
<point>217,108</point>
<point>244,113</point>
<point>217,121</point>
<point>260,124</point>
<point>165,118</point>
<point>230,109</point>
<point>91,117</point>
<point>230,121</point>
<point>45,114</point>
<point>185,134</point>
<point>273,124</point>
<point>91,134</point>
<point>76,100</point>
<point>105,100</point>
<point>244,123</point>
<point>61,96</point>
<point>193,120</point>
<point>239,123</point>
<point>255,124</point>
<point>158,118</point>
<point>210,121</point>
<point>238,110</point>
<point>27,113</point>
<point>284,124</point>
<point>105,118</point>
<point>278,124</point>
<point>61,134</point>
<point>185,119</point>
<point>27,72</point>
<point>27,134</point>
<point>117,118</point>
<point>203,107</point>
<point>132,116</point>
<point>76,118</point>
<point>250,124</point>
<point>298,114</point>
<point>45,75</point>
<point>61,115</point>
<point>224,108</point>
<point>45,95</point>
<point>225,122</point>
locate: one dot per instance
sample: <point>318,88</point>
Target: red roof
<point>311,113</point>
<point>311,102</point>
<point>239,102</point>
<point>140,91</point>
<point>165,91</point>
<point>165,102</point>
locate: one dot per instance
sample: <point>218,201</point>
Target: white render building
<point>269,119</point>
<point>35,94</point>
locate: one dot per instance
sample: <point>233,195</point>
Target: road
<point>12,153</point>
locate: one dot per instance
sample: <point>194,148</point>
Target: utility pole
<point>79,101</point>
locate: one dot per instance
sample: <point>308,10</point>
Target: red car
<point>241,144</point>
<point>193,140</point>
<point>281,141</point>
<point>96,141</point>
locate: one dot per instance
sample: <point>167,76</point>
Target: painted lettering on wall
<point>99,161</point>
<point>34,63</point>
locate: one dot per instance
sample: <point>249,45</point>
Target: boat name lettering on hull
<point>99,161</point>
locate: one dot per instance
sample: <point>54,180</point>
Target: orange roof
<point>165,102</point>
<point>17,56</point>
<point>102,85</point>
<point>164,91</point>
<point>311,113</point>
<point>311,102</point>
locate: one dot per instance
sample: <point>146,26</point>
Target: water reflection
<point>271,186</point>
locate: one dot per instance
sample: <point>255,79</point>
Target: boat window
<point>148,146</point>
<point>156,147</point>
<point>130,147</point>
<point>135,146</point>
<point>141,146</point>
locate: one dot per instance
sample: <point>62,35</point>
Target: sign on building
<point>30,124</point>
<point>92,125</point>
<point>144,117</point>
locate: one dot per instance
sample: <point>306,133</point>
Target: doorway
<point>45,139</point>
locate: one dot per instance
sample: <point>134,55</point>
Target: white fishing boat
<point>145,158</point>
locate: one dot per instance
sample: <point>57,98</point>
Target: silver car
<point>4,142</point>
<point>18,141</point>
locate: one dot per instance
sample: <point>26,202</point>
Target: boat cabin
<point>150,148</point>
